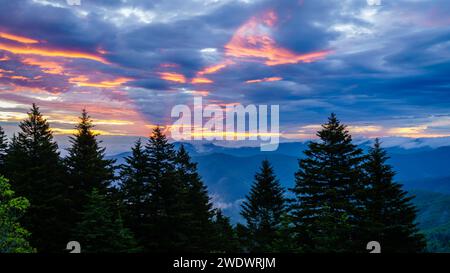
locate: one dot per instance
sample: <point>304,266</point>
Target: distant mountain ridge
<point>122,144</point>
<point>422,169</point>
<point>228,171</point>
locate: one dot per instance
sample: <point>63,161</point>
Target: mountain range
<point>424,170</point>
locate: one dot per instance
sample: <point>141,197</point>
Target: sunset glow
<point>173,77</point>
<point>253,40</point>
<point>84,82</point>
<point>20,50</point>
<point>17,38</point>
<point>201,80</point>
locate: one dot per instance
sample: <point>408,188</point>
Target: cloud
<point>253,40</point>
<point>269,79</point>
<point>378,67</point>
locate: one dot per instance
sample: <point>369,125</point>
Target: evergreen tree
<point>86,161</point>
<point>166,229</point>
<point>166,203</point>
<point>197,207</point>
<point>86,166</point>
<point>390,214</point>
<point>101,230</point>
<point>242,238</point>
<point>328,209</point>
<point>263,210</point>
<point>284,240</point>
<point>134,190</point>
<point>13,237</point>
<point>3,149</point>
<point>34,168</point>
<point>225,236</point>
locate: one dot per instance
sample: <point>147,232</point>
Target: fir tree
<point>166,203</point>
<point>13,237</point>
<point>197,207</point>
<point>242,237</point>
<point>328,188</point>
<point>284,240</point>
<point>225,236</point>
<point>86,161</point>
<point>3,149</point>
<point>263,210</point>
<point>101,229</point>
<point>134,190</point>
<point>390,214</point>
<point>166,229</point>
<point>86,166</point>
<point>34,168</point>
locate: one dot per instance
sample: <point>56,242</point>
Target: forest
<point>343,197</point>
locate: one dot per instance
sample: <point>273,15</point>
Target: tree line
<point>157,202</point>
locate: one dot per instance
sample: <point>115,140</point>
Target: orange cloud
<point>16,38</point>
<point>12,116</point>
<point>201,80</point>
<point>253,40</point>
<point>173,77</point>
<point>6,71</point>
<point>83,81</point>
<point>210,70</point>
<point>414,131</point>
<point>214,68</point>
<point>63,131</point>
<point>46,66</point>
<point>17,88</point>
<point>48,52</point>
<point>19,78</point>
<point>270,79</point>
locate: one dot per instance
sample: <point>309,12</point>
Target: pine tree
<point>328,189</point>
<point>3,149</point>
<point>101,229</point>
<point>263,210</point>
<point>134,190</point>
<point>86,161</point>
<point>166,229</point>
<point>226,240</point>
<point>166,203</point>
<point>86,166</point>
<point>390,214</point>
<point>13,237</point>
<point>284,240</point>
<point>34,168</point>
<point>197,208</point>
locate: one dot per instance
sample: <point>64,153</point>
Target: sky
<point>383,69</point>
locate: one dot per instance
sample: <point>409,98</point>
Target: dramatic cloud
<point>252,40</point>
<point>382,69</point>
